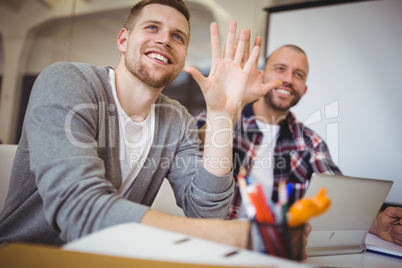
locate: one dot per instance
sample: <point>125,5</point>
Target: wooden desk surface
<point>38,256</point>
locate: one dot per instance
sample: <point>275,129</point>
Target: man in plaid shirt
<point>269,143</point>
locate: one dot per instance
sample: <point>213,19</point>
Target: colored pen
<point>241,180</point>
<point>283,200</point>
<point>283,197</point>
<point>289,187</point>
<point>268,215</point>
<point>260,216</point>
<point>264,215</point>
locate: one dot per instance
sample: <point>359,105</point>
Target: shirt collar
<point>249,121</point>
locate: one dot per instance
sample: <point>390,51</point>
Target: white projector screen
<point>354,84</point>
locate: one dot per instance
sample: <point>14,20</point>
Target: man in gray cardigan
<point>97,142</point>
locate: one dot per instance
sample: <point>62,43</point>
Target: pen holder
<point>277,239</point>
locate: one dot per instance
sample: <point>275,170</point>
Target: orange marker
<point>303,209</point>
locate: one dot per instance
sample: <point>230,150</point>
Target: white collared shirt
<point>262,167</point>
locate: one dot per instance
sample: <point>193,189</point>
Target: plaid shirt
<point>299,152</point>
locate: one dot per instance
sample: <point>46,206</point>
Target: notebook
<point>376,244</point>
<point>355,202</point>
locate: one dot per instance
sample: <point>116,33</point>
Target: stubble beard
<point>269,98</point>
<point>145,73</point>
<point>142,72</point>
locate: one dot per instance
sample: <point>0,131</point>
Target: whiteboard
<point>354,96</point>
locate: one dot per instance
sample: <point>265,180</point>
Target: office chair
<point>166,202</point>
<point>7,153</point>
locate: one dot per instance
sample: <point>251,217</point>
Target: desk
<point>366,260</point>
<point>136,245</point>
<point>37,256</point>
<point>132,240</point>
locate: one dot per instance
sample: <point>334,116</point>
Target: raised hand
<point>233,79</point>
<point>253,91</point>
<point>232,82</point>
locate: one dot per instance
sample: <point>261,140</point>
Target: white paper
<point>139,241</point>
<point>375,243</point>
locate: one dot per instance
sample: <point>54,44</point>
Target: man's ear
<point>305,90</point>
<point>122,40</point>
<point>260,73</point>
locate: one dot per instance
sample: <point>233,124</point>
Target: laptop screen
<point>355,203</point>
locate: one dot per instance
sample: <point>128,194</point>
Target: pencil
<point>395,223</point>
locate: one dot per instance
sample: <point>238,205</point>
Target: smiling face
<point>155,49</point>
<point>291,67</point>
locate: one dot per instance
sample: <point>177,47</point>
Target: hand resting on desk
<point>381,225</point>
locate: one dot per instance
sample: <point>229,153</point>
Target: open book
<point>375,243</point>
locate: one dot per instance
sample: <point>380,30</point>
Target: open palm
<point>233,79</point>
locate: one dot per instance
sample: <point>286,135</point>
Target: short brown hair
<point>136,9</point>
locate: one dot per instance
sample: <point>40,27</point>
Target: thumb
<point>271,85</point>
<point>196,74</point>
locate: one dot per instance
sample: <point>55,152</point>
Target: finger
<point>395,231</point>
<point>197,75</point>
<point>215,44</point>
<point>241,47</point>
<point>237,43</point>
<point>230,41</point>
<point>393,212</point>
<point>396,236</point>
<point>252,60</point>
<point>271,85</point>
<point>247,47</point>
<point>258,41</point>
<point>396,240</point>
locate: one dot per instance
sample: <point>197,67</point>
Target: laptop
<point>355,202</point>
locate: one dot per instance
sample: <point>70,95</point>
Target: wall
<point>36,33</point>
<point>354,89</point>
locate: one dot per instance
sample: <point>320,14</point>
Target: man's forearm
<point>227,232</point>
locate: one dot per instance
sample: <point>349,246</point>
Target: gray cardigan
<point>67,171</point>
